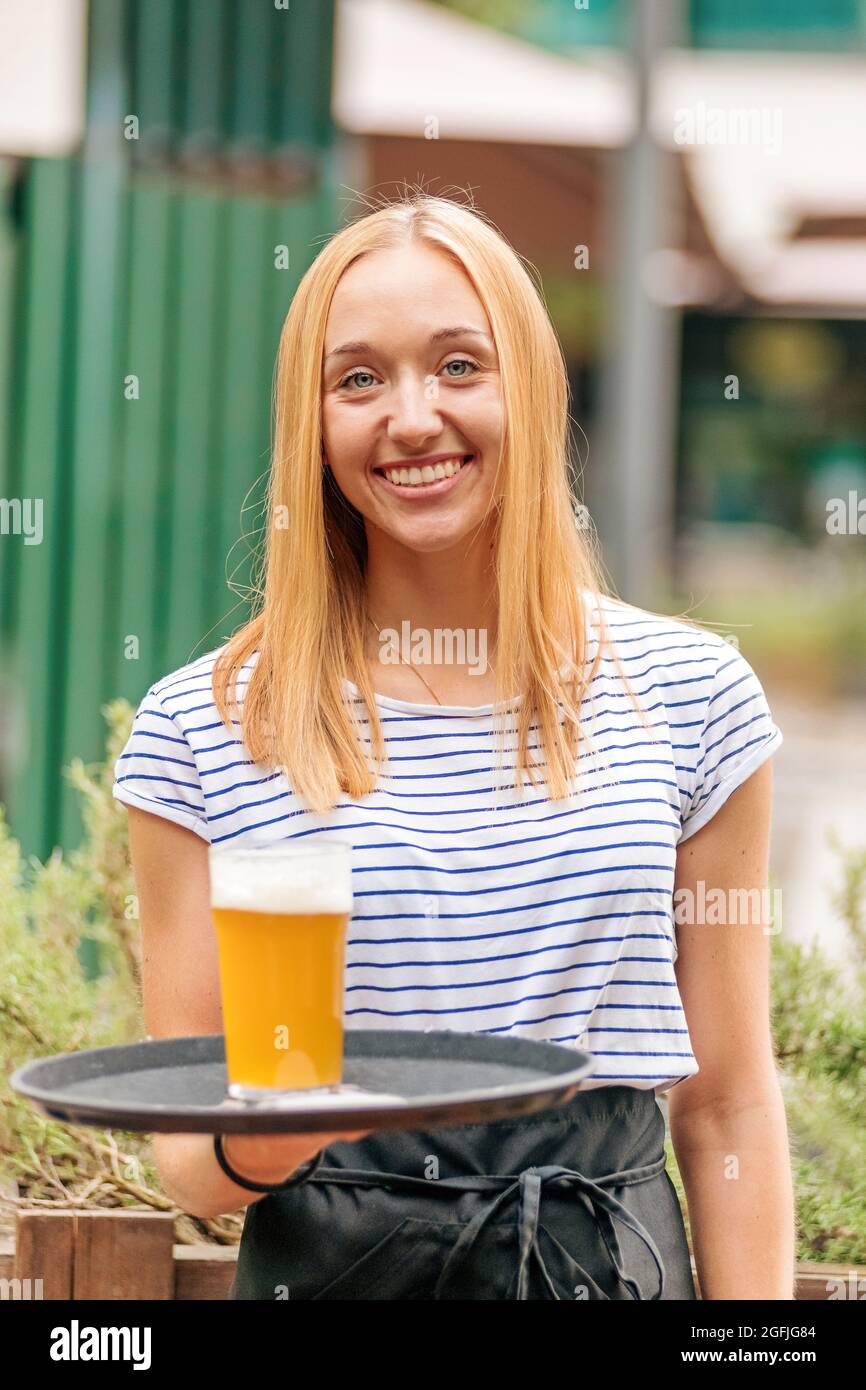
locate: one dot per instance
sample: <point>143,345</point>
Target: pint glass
<point>280,914</point>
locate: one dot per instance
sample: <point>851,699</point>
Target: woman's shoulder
<point>179,751</point>
<point>189,688</point>
<point>639,636</point>
<point>685,665</point>
<point>698,684</point>
<point>701,677</point>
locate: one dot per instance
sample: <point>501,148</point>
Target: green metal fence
<point>142,291</point>
<point>571,25</point>
<point>833,25</point>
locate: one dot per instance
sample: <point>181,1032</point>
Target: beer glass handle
<point>292,1181</point>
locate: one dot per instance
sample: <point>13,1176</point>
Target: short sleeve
<point>157,772</point>
<point>738,735</point>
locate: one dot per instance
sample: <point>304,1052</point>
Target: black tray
<point>397,1079</point>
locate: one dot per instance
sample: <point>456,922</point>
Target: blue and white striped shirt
<point>486,910</point>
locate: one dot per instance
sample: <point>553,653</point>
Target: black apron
<point>573,1203</point>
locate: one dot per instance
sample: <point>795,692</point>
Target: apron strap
<point>527,1188</point>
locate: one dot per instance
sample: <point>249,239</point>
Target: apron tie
<point>526,1188</point>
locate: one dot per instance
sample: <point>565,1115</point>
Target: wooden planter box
<point>110,1254</point>
<point>131,1255</point>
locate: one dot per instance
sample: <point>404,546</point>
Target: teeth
<point>413,477</point>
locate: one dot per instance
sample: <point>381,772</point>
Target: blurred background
<point>688,178</point>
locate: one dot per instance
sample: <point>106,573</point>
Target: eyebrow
<point>442,334</point>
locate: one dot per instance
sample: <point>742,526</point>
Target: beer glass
<point>280,913</point>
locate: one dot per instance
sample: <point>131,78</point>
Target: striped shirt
<point>478,907</point>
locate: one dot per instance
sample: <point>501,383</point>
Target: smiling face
<point>411,411</point>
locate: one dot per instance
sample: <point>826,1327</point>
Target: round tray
<point>399,1079</point>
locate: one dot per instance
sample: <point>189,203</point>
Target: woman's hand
<point>274,1157</point>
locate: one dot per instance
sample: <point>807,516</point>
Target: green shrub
<point>51,1002</point>
<point>819,1034</point>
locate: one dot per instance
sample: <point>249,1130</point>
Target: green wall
<point>140,310</point>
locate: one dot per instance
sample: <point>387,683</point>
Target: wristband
<point>292,1181</point>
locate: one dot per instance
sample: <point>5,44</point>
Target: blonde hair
<point>309,620</point>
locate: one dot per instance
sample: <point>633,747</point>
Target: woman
<point>528,771</point>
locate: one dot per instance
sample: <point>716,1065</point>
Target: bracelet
<point>292,1181</point>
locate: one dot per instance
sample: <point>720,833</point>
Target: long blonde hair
<point>309,619</point>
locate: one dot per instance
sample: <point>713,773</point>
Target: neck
<point>453,589</point>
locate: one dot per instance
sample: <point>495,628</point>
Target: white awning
<point>770,138</point>
<point>42,76</point>
<point>788,133</point>
<point>402,64</point>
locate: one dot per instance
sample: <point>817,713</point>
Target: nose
<point>414,410</point>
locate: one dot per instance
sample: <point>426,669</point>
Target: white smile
<point>429,473</point>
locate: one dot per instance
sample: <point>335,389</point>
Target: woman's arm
<point>181,988</point>
<point>727,1123</point>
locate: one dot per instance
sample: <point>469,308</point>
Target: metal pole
<point>631,485</point>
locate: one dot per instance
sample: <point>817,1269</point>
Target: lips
<point>425,487</point>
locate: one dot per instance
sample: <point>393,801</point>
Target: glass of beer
<point>280,913</point>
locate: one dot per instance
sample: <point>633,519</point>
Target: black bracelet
<point>292,1181</point>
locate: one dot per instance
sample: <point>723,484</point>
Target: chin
<point>429,542</point>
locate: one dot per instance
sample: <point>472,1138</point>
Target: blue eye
<point>462,362</point>
<point>454,362</point>
<point>352,375</point>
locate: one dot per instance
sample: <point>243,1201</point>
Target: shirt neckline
<point>388,702</point>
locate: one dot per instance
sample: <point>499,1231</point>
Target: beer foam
<point>266,881</point>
